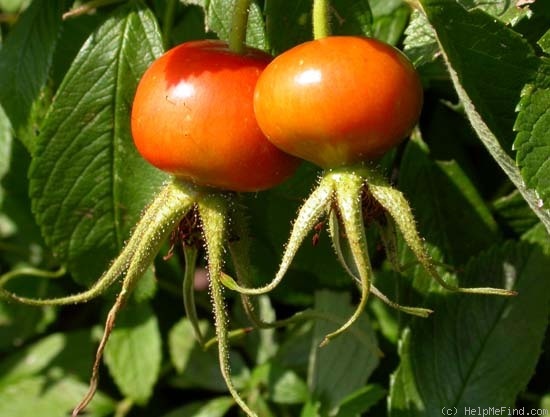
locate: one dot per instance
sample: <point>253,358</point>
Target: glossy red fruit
<point>338,100</point>
<point>193,117</point>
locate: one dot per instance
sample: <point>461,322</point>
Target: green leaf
<point>440,191</point>
<point>182,342</point>
<point>88,183</point>
<point>133,353</point>
<point>32,360</point>
<point>6,138</point>
<point>506,11</point>
<point>347,17</point>
<point>50,396</point>
<point>420,43</point>
<point>217,407</point>
<point>284,386</point>
<point>344,365</point>
<point>489,64</point>
<point>260,346</point>
<point>539,236</point>
<point>460,356</point>
<point>533,138</point>
<point>311,409</point>
<point>544,42</point>
<point>26,57</point>
<point>514,213</point>
<point>12,6</point>
<point>390,17</point>
<point>42,378</point>
<point>197,367</point>
<point>361,401</point>
<point>219,14</point>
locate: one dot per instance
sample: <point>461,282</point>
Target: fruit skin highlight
<point>338,100</point>
<point>193,117</point>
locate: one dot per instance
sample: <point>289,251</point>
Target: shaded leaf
<point>84,177</point>
<point>344,365</point>
<point>505,10</point>
<point>361,401</point>
<point>347,17</point>
<point>24,242</point>
<point>444,201</point>
<point>217,407</point>
<point>390,17</point>
<point>461,355</point>
<point>294,16</point>
<point>26,57</point>
<point>539,236</point>
<point>489,64</point>
<point>514,212</point>
<point>351,17</point>
<point>219,13</point>
<point>19,323</point>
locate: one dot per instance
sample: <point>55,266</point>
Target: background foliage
<point>477,174</point>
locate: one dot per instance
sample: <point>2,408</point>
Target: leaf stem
<point>190,252</point>
<point>149,241</point>
<point>348,191</point>
<point>158,220</point>
<point>27,271</point>
<point>395,203</point>
<point>239,22</point>
<point>311,211</point>
<point>336,242</point>
<point>213,213</point>
<point>321,19</point>
<point>88,7</point>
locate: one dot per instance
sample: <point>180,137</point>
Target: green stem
<point>158,220</point>
<point>321,20</point>
<point>190,252</point>
<point>239,22</point>
<point>395,203</point>
<point>231,335</point>
<point>337,244</point>
<point>311,211</point>
<point>89,7</point>
<point>176,204</point>
<point>348,191</point>
<point>297,318</point>
<point>124,407</point>
<point>168,21</point>
<point>28,271</point>
<point>213,212</point>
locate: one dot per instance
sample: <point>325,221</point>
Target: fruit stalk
<point>237,35</point>
<point>321,20</point>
